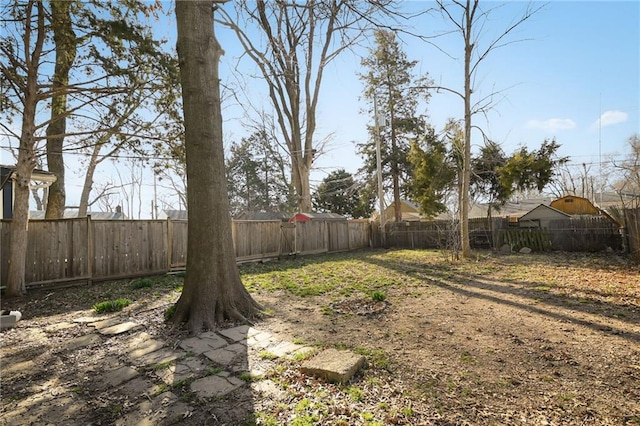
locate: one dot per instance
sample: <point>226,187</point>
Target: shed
<point>540,217</point>
<point>317,217</point>
<point>39,178</point>
<point>574,205</point>
<point>73,214</point>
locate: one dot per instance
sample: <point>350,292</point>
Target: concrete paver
<point>81,342</point>
<point>215,386</point>
<point>235,350</point>
<point>225,356</point>
<point>119,328</point>
<point>333,365</point>
<point>199,344</point>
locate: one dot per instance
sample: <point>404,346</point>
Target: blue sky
<point>578,61</point>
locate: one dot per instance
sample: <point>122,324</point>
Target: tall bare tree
<point>301,38</point>
<point>65,42</point>
<point>33,39</point>
<point>213,291</point>
<point>471,22</point>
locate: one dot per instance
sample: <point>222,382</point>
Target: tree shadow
<point>474,286</point>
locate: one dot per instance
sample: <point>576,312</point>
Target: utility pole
<point>383,237</point>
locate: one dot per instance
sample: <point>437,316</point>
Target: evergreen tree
<point>434,173</point>
<point>257,176</point>
<point>340,193</point>
<point>391,88</point>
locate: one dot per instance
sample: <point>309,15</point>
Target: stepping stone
<point>260,340</point>
<point>224,356</point>
<point>119,328</point>
<point>97,323</point>
<point>215,386</point>
<point>138,387</point>
<point>82,342</point>
<point>283,348</point>
<point>145,348</point>
<point>201,345</point>
<point>162,356</point>
<point>183,370</point>
<point>120,375</point>
<point>240,333</point>
<point>333,365</point>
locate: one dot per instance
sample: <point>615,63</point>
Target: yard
<point>516,339</point>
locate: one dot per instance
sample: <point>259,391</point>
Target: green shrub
<point>379,296</point>
<point>111,305</point>
<point>142,283</point>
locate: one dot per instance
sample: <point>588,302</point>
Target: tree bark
<point>213,291</point>
<point>65,44</point>
<point>469,12</point>
<point>16,285</point>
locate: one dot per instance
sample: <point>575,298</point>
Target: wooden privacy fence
<point>575,234</point>
<point>68,250</point>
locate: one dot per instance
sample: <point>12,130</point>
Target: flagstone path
<point>149,376</point>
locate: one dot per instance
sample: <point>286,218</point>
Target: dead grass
<point>520,339</point>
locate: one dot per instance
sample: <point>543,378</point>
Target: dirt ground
<point>521,339</point>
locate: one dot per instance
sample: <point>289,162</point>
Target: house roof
<point>262,216</point>
<point>321,216</point>
<point>539,209</point>
<point>37,174</point>
<point>73,214</point>
<point>516,207</point>
<point>173,214</point>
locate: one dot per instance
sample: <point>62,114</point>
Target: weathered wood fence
<point>576,234</point>
<point>70,250</point>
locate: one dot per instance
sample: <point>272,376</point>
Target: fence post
<point>169,243</point>
<point>90,250</point>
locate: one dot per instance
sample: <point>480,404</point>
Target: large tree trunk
<point>65,43</point>
<point>212,291</point>
<point>26,158</point>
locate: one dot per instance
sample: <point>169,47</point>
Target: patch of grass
<point>542,288</point>
<point>301,356</point>
<point>355,393</point>
<point>367,417</point>
<point>299,341</point>
<point>111,305</point>
<point>161,365</point>
<point>248,377</point>
<point>267,419</point>
<point>467,358</point>
<point>379,296</point>
<point>168,314</point>
<point>212,371</point>
<point>142,283</point>
<point>268,355</point>
<point>377,358</point>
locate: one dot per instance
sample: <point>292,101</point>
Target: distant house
<point>263,216</point>
<point>173,214</point>
<point>308,217</point>
<point>409,211</point>
<point>540,217</point>
<point>73,214</point>
<point>575,205</point>
<point>39,179</point>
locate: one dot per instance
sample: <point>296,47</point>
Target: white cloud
<point>609,118</point>
<point>552,124</point>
